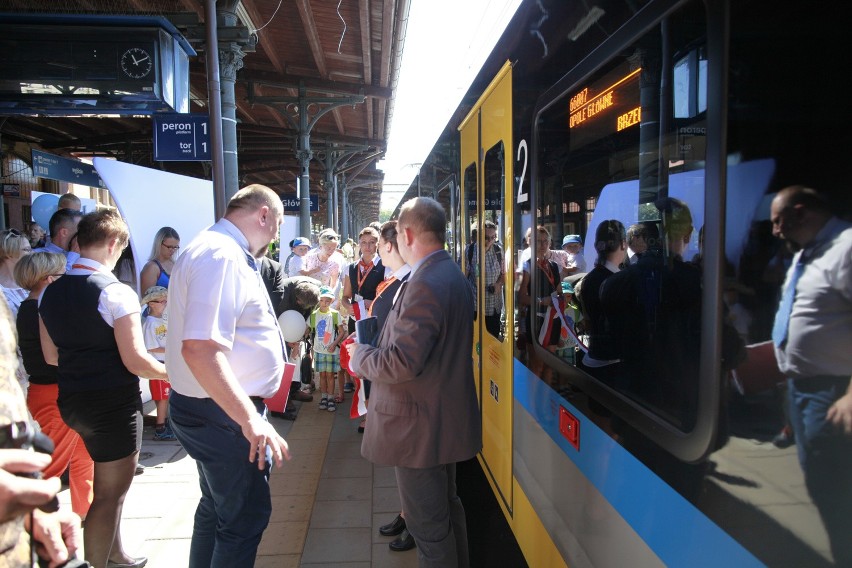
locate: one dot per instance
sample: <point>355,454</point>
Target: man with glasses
<point>492,263</point>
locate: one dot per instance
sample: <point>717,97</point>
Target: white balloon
<point>293,325</point>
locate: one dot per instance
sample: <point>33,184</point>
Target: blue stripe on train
<point>673,528</point>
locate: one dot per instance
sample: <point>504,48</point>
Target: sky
<point>446,43</point>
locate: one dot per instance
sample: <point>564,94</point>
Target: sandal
<point>331,406</point>
<point>338,398</point>
<point>323,405</point>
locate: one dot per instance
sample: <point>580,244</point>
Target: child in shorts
<point>328,332</point>
<point>154,334</point>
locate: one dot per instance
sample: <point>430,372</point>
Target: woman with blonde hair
<point>34,273</point>
<point>13,246</point>
<point>162,260</point>
<point>92,331</point>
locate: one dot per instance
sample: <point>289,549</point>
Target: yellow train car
<point>608,177</point>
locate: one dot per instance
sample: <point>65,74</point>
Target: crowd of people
<point>204,333</point>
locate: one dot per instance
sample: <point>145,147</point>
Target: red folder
<point>759,372</point>
<point>278,402</point>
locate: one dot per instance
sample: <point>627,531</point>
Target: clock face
<point>136,63</point>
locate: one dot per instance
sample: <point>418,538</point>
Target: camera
<point>25,436</point>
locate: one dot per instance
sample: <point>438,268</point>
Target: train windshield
<point>622,170</point>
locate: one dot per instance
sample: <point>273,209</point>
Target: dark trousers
<point>825,454</point>
<point>235,503</point>
<point>434,515</point>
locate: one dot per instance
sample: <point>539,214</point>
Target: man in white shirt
<point>225,354</point>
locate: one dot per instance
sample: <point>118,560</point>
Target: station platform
<point>327,503</point>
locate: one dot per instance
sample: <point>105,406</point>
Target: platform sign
<point>291,202</point>
<point>59,168</point>
<point>181,137</point>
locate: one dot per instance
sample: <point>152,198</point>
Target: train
<point>598,110</point>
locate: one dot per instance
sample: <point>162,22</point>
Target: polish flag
<point>359,401</point>
<point>550,319</point>
<point>359,310</point>
<point>359,405</point>
<point>556,311</point>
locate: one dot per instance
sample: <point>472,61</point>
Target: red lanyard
<point>84,266</point>
<point>363,271</point>
<point>379,289</point>
<point>545,267</point>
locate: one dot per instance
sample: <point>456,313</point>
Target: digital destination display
<point>604,107</point>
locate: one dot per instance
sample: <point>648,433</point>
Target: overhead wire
<point>272,18</point>
<point>340,43</point>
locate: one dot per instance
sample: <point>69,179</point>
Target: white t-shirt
<point>154,335</point>
<point>326,333</point>
<point>294,265</point>
<point>215,294</point>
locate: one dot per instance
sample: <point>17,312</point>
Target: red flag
<point>359,406</point>
<point>359,402</point>
<point>359,310</point>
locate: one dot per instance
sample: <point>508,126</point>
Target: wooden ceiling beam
<point>307,16</point>
<point>264,39</point>
<point>289,81</point>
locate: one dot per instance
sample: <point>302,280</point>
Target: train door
<point>486,139</point>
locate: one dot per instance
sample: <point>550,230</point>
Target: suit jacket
<point>272,274</point>
<point>423,407</point>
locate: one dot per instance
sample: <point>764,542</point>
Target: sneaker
<point>349,387</point>
<point>324,404</point>
<point>308,388</point>
<point>164,434</point>
<point>331,405</point>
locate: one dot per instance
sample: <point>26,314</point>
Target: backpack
<point>312,319</point>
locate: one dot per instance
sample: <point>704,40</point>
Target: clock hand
<point>141,60</point>
<point>134,60</point>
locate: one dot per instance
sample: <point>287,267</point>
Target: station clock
<point>136,63</point>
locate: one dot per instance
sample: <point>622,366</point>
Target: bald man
<point>812,335</point>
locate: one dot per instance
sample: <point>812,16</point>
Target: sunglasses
<point>176,247</point>
<point>11,233</point>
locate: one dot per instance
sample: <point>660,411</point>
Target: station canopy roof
<point>344,48</point>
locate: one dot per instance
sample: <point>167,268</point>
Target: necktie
<point>785,308</point>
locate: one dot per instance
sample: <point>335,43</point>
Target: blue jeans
<point>825,454</point>
<point>235,503</point>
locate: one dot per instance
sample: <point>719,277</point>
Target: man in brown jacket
<point>424,415</point>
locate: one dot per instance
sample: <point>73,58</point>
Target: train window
<point>613,143</point>
<point>469,198</point>
<point>492,265</point>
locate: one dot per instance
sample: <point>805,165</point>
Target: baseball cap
<point>300,241</point>
<point>571,239</point>
<point>325,292</point>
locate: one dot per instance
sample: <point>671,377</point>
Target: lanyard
<point>84,267</point>
<point>379,289</point>
<point>363,272</point>
<point>545,267</point>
